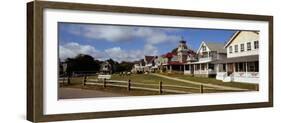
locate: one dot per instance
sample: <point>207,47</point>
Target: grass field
<point>152,81</point>
<point>213,81</point>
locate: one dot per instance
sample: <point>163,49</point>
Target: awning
<point>251,58</point>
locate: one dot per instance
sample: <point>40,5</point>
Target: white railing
<point>206,59</point>
<point>250,77</point>
<point>246,74</point>
<point>221,75</point>
<point>189,59</point>
<point>210,71</point>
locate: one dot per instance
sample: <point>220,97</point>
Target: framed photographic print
<point>96,61</point>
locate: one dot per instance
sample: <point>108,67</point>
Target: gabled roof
<point>213,46</point>
<point>149,59</point>
<point>235,35</point>
<point>232,38</point>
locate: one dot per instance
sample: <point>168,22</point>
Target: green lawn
<point>213,81</point>
<point>154,80</point>
<point>150,79</point>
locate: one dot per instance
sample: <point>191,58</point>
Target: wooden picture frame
<point>35,60</point>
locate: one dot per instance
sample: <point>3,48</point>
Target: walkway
<point>72,93</point>
<point>200,83</point>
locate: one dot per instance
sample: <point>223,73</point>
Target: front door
<point>230,69</point>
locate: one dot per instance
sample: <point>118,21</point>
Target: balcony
<point>191,59</point>
<point>206,59</point>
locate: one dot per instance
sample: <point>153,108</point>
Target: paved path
<point>72,93</point>
<point>200,83</point>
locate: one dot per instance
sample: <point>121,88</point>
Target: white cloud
<point>150,36</point>
<point>72,49</point>
<point>119,54</point>
<point>156,36</point>
<point>125,33</point>
<point>150,50</point>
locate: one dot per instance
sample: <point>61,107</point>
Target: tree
<point>82,63</point>
<point>113,64</point>
<point>125,66</point>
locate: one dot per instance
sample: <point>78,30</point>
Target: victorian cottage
<point>208,53</point>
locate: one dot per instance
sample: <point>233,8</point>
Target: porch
<point>202,69</point>
<point>245,69</point>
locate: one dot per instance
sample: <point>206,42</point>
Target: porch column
<point>171,68</point>
<point>218,67</point>
<point>246,69</point>
<point>234,67</point>
<point>207,67</point>
<point>194,67</point>
<point>199,68</point>
<point>226,67</point>
<point>184,67</point>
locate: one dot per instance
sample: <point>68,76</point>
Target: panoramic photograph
<point>102,60</point>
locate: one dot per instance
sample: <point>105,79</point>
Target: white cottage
<point>208,53</point>
<point>242,63</point>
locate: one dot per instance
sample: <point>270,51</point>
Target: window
<point>202,66</point>
<point>236,48</point>
<point>204,48</point>
<point>230,49</point>
<point>242,47</point>
<point>224,68</point>
<point>256,44</point>
<point>253,66</point>
<point>211,66</point>
<point>240,67</point>
<point>249,46</point>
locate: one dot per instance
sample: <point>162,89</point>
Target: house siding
<point>243,38</point>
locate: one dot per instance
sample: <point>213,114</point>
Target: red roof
<point>169,55</point>
<point>175,63</point>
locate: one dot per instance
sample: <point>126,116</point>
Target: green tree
<point>82,63</point>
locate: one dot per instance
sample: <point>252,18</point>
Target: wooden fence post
<point>160,87</point>
<point>63,79</point>
<point>201,89</point>
<point>104,82</point>
<point>84,80</point>
<point>129,85</point>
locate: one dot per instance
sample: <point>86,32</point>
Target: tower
<point>182,51</point>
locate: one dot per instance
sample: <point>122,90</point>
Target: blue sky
<point>129,43</point>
